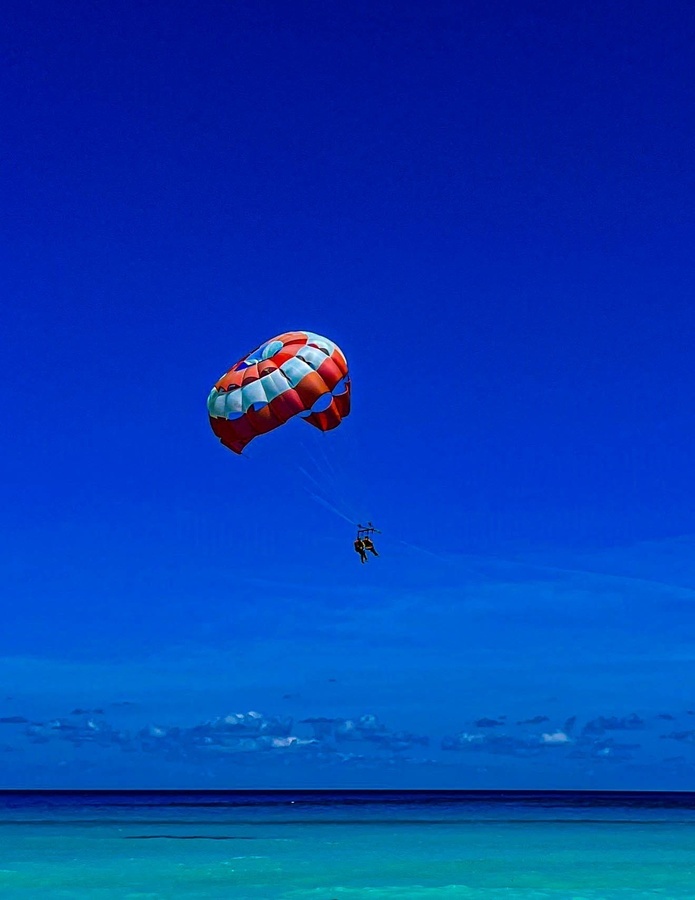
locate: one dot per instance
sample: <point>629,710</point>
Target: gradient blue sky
<point>490,208</point>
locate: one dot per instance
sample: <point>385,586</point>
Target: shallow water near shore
<point>346,845</point>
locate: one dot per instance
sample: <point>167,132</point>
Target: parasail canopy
<point>298,373</point>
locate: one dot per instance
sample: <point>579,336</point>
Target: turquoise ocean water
<point>346,845</point>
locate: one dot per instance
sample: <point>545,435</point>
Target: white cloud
<point>557,737</point>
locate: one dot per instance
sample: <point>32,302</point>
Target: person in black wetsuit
<point>368,545</point>
<point>359,548</point>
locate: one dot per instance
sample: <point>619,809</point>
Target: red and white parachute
<point>298,373</point>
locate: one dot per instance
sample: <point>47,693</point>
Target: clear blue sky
<point>489,207</point>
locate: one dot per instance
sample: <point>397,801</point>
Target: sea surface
<point>346,845</point>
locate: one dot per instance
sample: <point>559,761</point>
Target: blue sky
<point>489,207</point>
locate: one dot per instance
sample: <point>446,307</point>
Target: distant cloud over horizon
<point>238,734</point>
<point>254,737</point>
<point>614,723</point>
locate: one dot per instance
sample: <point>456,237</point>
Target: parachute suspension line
<point>345,484</point>
<point>348,468</point>
<point>321,498</point>
<point>322,465</point>
<point>253,459</point>
<point>320,451</point>
<point>323,502</point>
<point>309,476</point>
<point>341,480</point>
<point>327,484</point>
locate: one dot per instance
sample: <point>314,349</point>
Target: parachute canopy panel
<point>298,373</point>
